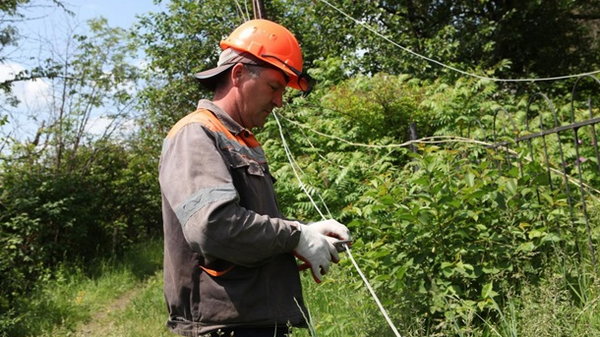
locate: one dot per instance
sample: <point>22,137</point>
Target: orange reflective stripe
<point>204,117</point>
<point>216,273</point>
<point>212,122</point>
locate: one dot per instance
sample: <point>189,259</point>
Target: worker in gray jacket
<point>229,265</point>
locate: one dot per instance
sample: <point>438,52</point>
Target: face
<point>261,90</point>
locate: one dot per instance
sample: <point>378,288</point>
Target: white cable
<point>442,140</point>
<point>424,140</point>
<point>369,287</point>
<point>364,278</point>
<point>290,159</point>
<point>456,69</point>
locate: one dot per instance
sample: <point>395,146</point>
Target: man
<point>229,266</point>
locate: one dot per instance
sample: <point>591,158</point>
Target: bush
<point>102,202</point>
<point>448,234</point>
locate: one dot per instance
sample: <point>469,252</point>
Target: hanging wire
<point>443,140</point>
<point>373,294</point>
<point>347,248</point>
<point>289,156</point>
<point>244,14</point>
<point>555,78</point>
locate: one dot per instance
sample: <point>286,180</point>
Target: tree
<point>72,194</point>
<point>467,34</point>
<point>512,38</point>
<point>9,36</point>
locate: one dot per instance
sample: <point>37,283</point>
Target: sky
<point>45,27</point>
<point>118,12</point>
<point>45,20</point>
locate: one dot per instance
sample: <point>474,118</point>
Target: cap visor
<point>208,77</point>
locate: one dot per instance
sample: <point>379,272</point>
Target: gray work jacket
<point>220,213</point>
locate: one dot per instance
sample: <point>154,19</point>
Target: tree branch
<point>593,16</point>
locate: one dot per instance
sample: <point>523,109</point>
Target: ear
<point>236,74</point>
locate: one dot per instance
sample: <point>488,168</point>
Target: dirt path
<point>101,323</point>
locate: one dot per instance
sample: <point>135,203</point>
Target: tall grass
<point>562,304</point>
<point>565,302</point>
<point>146,314</point>
<point>339,306</point>
<point>76,293</point>
<point>82,303</point>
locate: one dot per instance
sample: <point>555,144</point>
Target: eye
<point>275,86</point>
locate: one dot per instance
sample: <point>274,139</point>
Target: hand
<point>332,229</point>
<point>317,250</point>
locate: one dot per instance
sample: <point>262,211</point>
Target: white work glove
<point>332,229</point>
<point>316,250</point>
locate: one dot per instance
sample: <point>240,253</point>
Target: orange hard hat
<point>273,44</point>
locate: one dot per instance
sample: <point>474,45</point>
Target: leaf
<point>488,291</point>
<point>511,185</point>
<point>534,233</point>
<point>470,178</point>
<point>490,270</point>
<point>526,247</point>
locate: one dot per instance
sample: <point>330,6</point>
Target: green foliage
<point>178,44</point>
<point>51,216</point>
<point>447,234</point>
<point>71,195</point>
<point>465,34</point>
<point>82,293</point>
<point>379,107</point>
<point>459,232</point>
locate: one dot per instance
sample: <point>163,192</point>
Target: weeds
<point>564,302</point>
<point>76,293</point>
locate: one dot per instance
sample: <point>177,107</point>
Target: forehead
<point>277,75</point>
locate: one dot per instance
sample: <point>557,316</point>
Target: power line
<point>555,78</point>
<point>363,277</point>
<point>290,158</point>
<point>441,139</point>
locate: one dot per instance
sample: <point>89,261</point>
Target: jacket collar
<point>234,127</point>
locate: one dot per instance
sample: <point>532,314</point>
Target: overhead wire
<point>244,14</point>
<point>441,139</point>
<point>426,140</point>
<point>346,247</point>
<point>540,79</point>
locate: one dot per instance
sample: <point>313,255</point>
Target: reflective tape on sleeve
<point>203,198</point>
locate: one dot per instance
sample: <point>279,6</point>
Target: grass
<point>124,299</point>
<point>145,315</point>
<point>339,306</point>
<point>566,302</point>
<point>59,305</point>
<point>559,306</point>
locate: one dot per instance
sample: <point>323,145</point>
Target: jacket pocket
<point>236,297</point>
<point>240,161</point>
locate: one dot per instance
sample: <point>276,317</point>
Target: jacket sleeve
<point>196,182</point>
